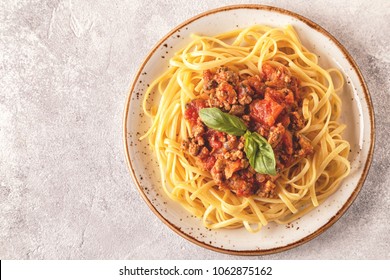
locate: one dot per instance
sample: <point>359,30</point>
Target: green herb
<point>259,153</point>
<point>218,120</point>
<point>257,149</point>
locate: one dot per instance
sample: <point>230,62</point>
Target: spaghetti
<point>301,185</point>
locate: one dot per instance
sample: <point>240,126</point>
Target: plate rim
<point>348,202</point>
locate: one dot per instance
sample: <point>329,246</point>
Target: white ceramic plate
<point>357,114</point>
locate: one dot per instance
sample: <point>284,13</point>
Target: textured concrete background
<point>65,70</point>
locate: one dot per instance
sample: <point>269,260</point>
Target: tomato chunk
<point>266,110</point>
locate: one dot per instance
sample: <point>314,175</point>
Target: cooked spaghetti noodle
<point>301,186</point>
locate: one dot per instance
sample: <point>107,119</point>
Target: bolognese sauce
<point>270,104</point>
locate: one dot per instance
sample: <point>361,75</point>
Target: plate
<point>357,114</point>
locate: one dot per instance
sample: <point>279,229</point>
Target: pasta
<point>300,187</point>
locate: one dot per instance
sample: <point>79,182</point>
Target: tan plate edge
<point>350,199</point>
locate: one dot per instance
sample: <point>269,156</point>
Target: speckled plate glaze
<point>357,114</point>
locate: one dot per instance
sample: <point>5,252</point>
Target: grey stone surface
<point>65,70</point>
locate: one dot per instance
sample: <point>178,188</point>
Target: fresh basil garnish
<point>259,153</point>
<point>224,122</point>
<point>257,149</point>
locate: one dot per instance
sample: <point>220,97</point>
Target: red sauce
<point>192,110</point>
<point>269,104</point>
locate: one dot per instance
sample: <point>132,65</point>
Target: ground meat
<point>204,153</point>
<point>195,144</point>
<point>306,147</point>
<point>224,74</point>
<point>245,93</point>
<point>242,187</point>
<point>297,122</point>
<point>237,110</point>
<point>198,129</point>
<point>276,134</point>
<point>282,96</point>
<point>294,86</point>
<point>193,149</point>
<point>231,167</point>
<point>267,190</point>
<point>208,82</point>
<point>268,103</point>
<point>226,95</point>
<point>233,155</point>
<point>275,77</point>
<point>262,130</point>
<point>260,177</point>
<point>231,142</point>
<point>184,145</point>
<point>214,101</point>
<point>246,118</point>
<point>244,99</point>
<point>218,170</point>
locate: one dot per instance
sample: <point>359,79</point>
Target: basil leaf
<point>224,122</point>
<point>259,153</point>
